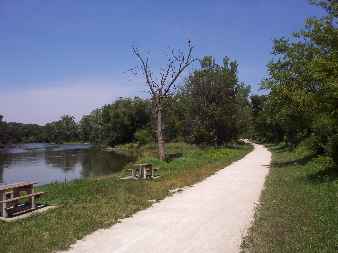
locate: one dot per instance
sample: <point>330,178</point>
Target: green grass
<point>299,206</point>
<point>90,204</point>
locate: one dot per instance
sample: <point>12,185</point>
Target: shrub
<point>333,148</point>
<point>144,136</point>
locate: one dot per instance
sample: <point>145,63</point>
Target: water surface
<point>46,163</point>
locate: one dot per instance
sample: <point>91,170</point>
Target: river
<point>46,163</point>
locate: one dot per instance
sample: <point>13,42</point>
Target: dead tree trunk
<point>162,88</point>
<point>159,133</point>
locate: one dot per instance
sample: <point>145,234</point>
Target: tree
<point>122,118</point>
<point>63,130</point>
<point>302,83</point>
<point>216,103</point>
<point>265,125</point>
<point>161,88</point>
<point>68,128</point>
<point>2,131</point>
<point>116,123</point>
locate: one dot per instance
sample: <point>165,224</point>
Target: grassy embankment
<point>89,204</point>
<point>299,206</point>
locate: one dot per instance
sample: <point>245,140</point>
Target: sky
<point>70,57</point>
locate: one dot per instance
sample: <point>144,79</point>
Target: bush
<point>144,136</point>
<point>313,143</point>
<point>334,148</point>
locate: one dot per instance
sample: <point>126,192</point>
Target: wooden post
<point>3,205</point>
<point>4,211</point>
<point>31,189</point>
<point>33,202</point>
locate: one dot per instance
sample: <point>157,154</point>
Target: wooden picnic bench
<point>12,195</point>
<point>143,170</point>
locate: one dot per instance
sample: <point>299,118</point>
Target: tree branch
<point>145,69</point>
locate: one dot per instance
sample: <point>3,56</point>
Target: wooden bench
<point>33,195</point>
<point>11,194</point>
<point>150,172</point>
<point>143,171</point>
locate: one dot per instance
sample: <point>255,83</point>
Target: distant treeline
<point>302,99</point>
<point>212,107</point>
<point>63,130</point>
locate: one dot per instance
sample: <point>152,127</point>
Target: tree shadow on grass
<point>233,145</point>
<point>329,174</point>
<point>301,161</point>
<point>173,156</point>
<point>279,148</point>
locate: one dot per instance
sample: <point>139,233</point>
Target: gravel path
<point>211,216</point>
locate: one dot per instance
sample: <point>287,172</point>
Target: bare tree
<point>162,87</point>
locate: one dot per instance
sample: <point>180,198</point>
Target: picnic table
<point>12,196</point>
<point>143,170</point>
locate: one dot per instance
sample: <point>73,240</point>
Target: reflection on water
<point>47,163</point>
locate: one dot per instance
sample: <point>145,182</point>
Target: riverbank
<point>299,206</point>
<point>89,204</point>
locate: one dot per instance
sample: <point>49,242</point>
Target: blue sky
<point>69,57</point>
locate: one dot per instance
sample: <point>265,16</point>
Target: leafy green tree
<point>216,103</point>
<point>67,128</point>
<point>116,123</point>
<point>144,136</point>
<point>302,83</point>
<point>2,132</point>
<point>63,130</point>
